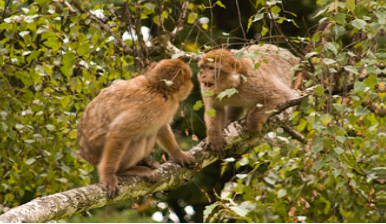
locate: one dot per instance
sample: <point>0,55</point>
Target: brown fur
<point>119,127</point>
<point>269,85</point>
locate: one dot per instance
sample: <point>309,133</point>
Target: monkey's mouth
<point>208,86</point>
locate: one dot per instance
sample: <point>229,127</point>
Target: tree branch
<point>180,21</point>
<point>170,176</point>
<point>126,48</point>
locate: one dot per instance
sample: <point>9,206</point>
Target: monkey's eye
<point>211,68</point>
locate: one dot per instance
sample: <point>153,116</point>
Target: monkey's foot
<point>110,183</point>
<point>185,159</point>
<point>149,163</point>
<point>215,147</point>
<point>142,171</point>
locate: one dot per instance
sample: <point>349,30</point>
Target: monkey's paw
<point>110,184</point>
<point>216,148</point>
<point>149,163</point>
<point>152,176</point>
<point>185,159</point>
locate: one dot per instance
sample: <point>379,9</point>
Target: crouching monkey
<point>118,129</point>
<point>257,90</point>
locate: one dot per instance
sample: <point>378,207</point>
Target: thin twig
<point>126,48</point>
<point>296,135</point>
<point>240,23</point>
<point>180,20</point>
<point>5,9</point>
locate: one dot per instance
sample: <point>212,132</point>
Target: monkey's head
<point>219,71</point>
<point>172,77</point>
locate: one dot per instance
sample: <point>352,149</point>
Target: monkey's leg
<point>214,125</point>
<point>233,113</point>
<point>166,139</point>
<point>109,164</point>
<point>140,171</point>
<point>255,119</point>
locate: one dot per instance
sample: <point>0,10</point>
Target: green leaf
<point>50,127</point>
<point>30,161</point>
<point>340,107</point>
<point>371,81</point>
<point>340,138</point>
<point>340,18</point>
<point>192,17</point>
<point>359,87</point>
<point>65,101</point>
<point>258,17</point>
<point>336,173</point>
<point>319,164</point>
<point>350,5</point>
<point>179,54</point>
<point>33,55</point>
<point>319,91</point>
<point>325,119</point>
<point>338,150</point>
<point>219,3</point>
<point>321,2</point>
<point>361,111</point>
<point>240,54</point>
<point>330,46</point>
<point>227,92</point>
<point>83,49</point>
<point>206,93</point>
<point>168,82</point>
<point>275,10</point>
<point>359,24</point>
<point>281,193</point>
<point>208,210</point>
<point>328,61</point>
<point>198,105</point>
<point>53,43</point>
<point>149,6</point>
<point>240,211</point>
<point>211,112</point>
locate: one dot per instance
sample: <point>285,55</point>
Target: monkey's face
<point>218,71</point>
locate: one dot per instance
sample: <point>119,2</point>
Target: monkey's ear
<point>241,67</point>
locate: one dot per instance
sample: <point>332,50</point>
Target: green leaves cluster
<point>53,61</point>
<point>337,175</point>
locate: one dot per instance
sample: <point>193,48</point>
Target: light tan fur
<point>269,85</point>
<point>120,126</point>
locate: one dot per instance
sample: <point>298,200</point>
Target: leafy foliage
<point>55,56</point>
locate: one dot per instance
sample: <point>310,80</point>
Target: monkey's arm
<point>214,126</point>
<point>166,139</point>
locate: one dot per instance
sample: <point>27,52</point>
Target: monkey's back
<point>131,96</point>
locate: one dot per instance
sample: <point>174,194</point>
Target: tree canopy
<point>325,163</point>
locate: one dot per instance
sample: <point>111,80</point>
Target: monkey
<point>120,126</point>
<point>258,91</point>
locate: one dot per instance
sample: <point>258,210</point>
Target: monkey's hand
<point>185,159</point>
<point>110,183</point>
<point>215,146</point>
